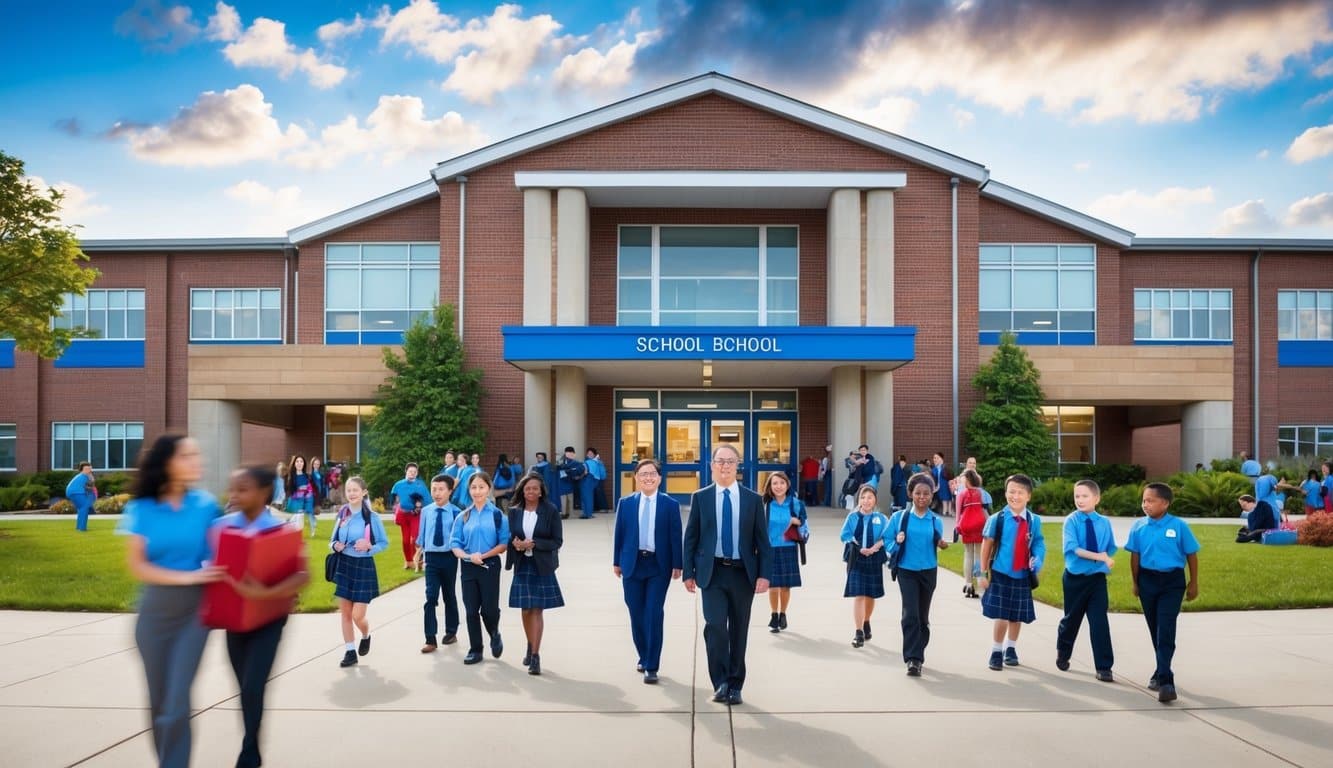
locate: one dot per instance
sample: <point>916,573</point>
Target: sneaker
<point>1011,657</point>
<point>497,645</point>
<point>866,628</point>
<point>782,621</point>
<point>1167,693</point>
<point>996,661</point>
<point>364,647</point>
<point>1062,664</point>
<point>1153,685</point>
<point>773,625</point>
<point>1105,676</point>
<point>914,669</point>
<point>349,659</point>
<point>859,640</point>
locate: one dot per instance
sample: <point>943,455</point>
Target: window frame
<point>1323,302</point>
<point>1059,434</point>
<point>1319,448</point>
<point>259,297</point>
<point>128,458</point>
<point>363,412</point>
<point>359,267</point>
<point>1189,309</point>
<point>70,299</point>
<point>1059,266</point>
<point>14,439</point>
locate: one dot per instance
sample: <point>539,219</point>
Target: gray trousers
<point>171,641</point>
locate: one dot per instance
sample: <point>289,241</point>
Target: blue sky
<point>168,119</point>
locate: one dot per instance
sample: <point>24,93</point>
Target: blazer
<point>548,535</point>
<point>701,536</point>
<point>667,536</point>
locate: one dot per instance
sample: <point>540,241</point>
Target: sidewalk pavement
<point>1256,688</point>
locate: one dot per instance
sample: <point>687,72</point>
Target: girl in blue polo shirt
<point>1013,550</point>
<point>916,533</point>
<point>1088,545</point>
<point>1160,546</point>
<point>358,535</point>
<point>863,550</point>
<point>480,534</point>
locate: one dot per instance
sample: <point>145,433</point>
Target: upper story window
<point>715,275</point>
<point>107,313</point>
<point>9,441</point>
<point>1182,315</point>
<point>235,314</point>
<point>106,445</point>
<point>1074,430</point>
<point>378,287</point>
<point>1308,440</point>
<point>1045,293</point>
<point>1305,315</point>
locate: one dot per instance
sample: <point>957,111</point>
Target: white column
<point>571,409</point>
<point>536,414</point>
<point>879,257</point>
<point>1205,432</point>
<point>216,426</point>
<point>571,256</point>
<point>844,257</point>
<point>537,258</point>
<point>879,423</point>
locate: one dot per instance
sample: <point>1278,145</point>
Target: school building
<point>708,262</point>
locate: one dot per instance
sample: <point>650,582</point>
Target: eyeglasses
<point>725,462</point>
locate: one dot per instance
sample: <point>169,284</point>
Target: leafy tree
<point>430,404</point>
<point>39,263</point>
<point>1006,432</point>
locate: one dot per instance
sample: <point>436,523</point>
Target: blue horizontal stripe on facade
<point>1183,343</point>
<point>215,342</point>
<point>102,353</point>
<point>363,337</point>
<point>1305,354</point>
<point>576,343</point>
<point>1043,338</point>
<point>7,347</point>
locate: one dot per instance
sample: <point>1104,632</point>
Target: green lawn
<point>47,565</point>
<point>1232,576</point>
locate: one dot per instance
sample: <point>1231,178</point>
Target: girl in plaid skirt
<point>786,513</point>
<point>1012,553</point>
<point>536,536</point>
<point>358,535</point>
<point>863,550</point>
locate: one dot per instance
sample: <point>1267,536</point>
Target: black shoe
<point>449,639</point>
<point>866,629</point>
<point>650,677</point>
<point>914,669</point>
<point>1105,676</point>
<point>1167,693</point>
<point>497,645</point>
<point>721,693</point>
<point>564,516</point>
<point>638,668</point>
<point>773,625</point>
<point>472,657</point>
<point>782,621</point>
<point>1062,664</point>
<point>1153,685</point>
<point>527,657</point>
<point>859,640</point>
<point>349,659</point>
<point>996,662</point>
<point>535,666</point>
<point>1011,657</point>
<point>364,647</point>
<point>734,697</point>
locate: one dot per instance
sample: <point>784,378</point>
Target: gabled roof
<point>1058,213</point>
<point>367,210</point>
<point>737,90</point>
<point>183,244</point>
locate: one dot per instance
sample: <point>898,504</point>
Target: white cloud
<point>1313,144</point>
<point>590,68</point>
<point>255,193</point>
<point>1082,165</point>
<point>218,129</point>
<point>1324,69</point>
<point>263,210</point>
<point>889,113</point>
<point>1316,210</point>
<point>398,127</point>
<point>265,44</point>
<point>1132,204</point>
<point>160,26</point>
<point>961,117</point>
<point>1262,154</point>
<point>1315,101</point>
<point>1250,217</point>
<point>224,24</point>
<point>76,203</point>
<point>336,30</point>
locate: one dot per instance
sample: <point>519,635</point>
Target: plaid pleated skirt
<point>1008,599</point>
<point>533,590</point>
<point>865,579</point>
<point>786,567</point>
<point>356,579</point>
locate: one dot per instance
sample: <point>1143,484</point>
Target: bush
<point>1054,497</point>
<point>114,483</point>
<point>1122,501</point>
<point>1227,465</point>
<point>54,481</point>
<point>23,497</point>
<point>1208,494</point>
<point>63,507</point>
<point>1316,530</point>
<point>1107,475</point>
<point>111,505</point>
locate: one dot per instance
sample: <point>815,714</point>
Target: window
<point>106,445</point>
<point>1305,315</point>
<point>1181,315</point>
<point>344,432</point>
<point>108,314</point>
<point>1314,441</point>
<point>1072,426</point>
<point>235,314</point>
<point>9,442</point>
<point>1039,290</point>
<point>379,286</point>
<point>708,276</point>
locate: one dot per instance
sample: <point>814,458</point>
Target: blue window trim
<point>1184,342</point>
<point>7,347</point>
<point>216,342</point>
<point>375,338</point>
<point>102,353</point>
<point>1304,353</point>
<point>1043,338</point>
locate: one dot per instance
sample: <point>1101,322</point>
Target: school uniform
<point>441,568</point>
<point>168,632</point>
<point>462,497</point>
<point>943,494</point>
<point>918,566</point>
<point>1084,584</point>
<point>1009,595</point>
<point>79,491</point>
<point>1314,497</point>
<point>865,575</point>
<point>301,500</point>
<point>355,578</point>
<point>534,584</point>
<point>1261,518</point>
<point>786,555</point>
<point>1163,546</point>
<point>477,531</point>
<point>404,497</point>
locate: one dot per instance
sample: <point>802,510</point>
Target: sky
<point>166,119</point>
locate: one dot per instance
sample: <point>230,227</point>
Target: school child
<point>358,535</point>
<point>301,493</point>
<point>480,534</point>
<point>406,498</point>
<point>971,520</point>
<point>1088,546</point>
<point>1161,545</point>
<point>438,561</point>
<point>1013,551</point>
<point>863,550</point>
<point>916,535</point>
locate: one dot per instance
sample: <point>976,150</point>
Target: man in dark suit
<point>727,554</point>
<point>646,557</point>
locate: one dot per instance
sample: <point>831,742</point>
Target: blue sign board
<point>1305,354</point>
<point>632,343</point>
<point>102,353</point>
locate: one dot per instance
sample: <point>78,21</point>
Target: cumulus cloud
<point>396,128</point>
<point>265,45</point>
<point>1249,218</point>
<point>590,68</point>
<point>1316,210</point>
<point>336,30</point>
<point>257,194</point>
<point>961,117</point>
<point>217,129</point>
<point>888,113</point>
<point>157,25</point>
<point>1313,144</point>
<point>501,49</point>
<point>224,24</point>
<point>1133,205</point>
<point>263,210</point>
<point>75,202</point>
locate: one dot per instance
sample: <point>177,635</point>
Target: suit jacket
<point>667,535</point>
<point>548,535</point>
<point>701,536</point>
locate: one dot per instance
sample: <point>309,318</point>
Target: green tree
<point>39,263</point>
<point>1005,432</point>
<point>430,404</point>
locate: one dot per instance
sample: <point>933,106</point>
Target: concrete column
<point>571,409</point>
<point>571,258</point>
<point>537,258</point>
<point>536,414</point>
<point>216,426</point>
<point>879,257</point>
<point>879,419</point>
<point>1205,432</point>
<point>844,257</point>
<point>844,415</point>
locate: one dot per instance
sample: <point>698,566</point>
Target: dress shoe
<point>535,665</point>
<point>1011,657</point>
<point>782,621</point>
<point>1062,664</point>
<point>650,677</point>
<point>472,657</point>
<point>497,645</point>
<point>349,659</point>
<point>1167,693</point>
<point>1153,685</point>
<point>734,697</point>
<point>773,625</point>
<point>996,661</point>
<point>449,639</point>
<point>428,648</point>
<point>1105,676</point>
<point>914,668</point>
<point>859,640</point>
<point>364,647</point>
<point>721,693</point>
<point>527,656</point>
<point>866,629</point>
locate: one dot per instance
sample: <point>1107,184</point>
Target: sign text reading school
<point>706,344</point>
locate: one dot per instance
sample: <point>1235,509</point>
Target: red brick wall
<point>1157,449</point>
<point>262,444</point>
<point>1289,396</point>
<point>1113,435</point>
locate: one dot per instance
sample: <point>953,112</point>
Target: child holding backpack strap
<point>1013,551</point>
<point>358,535</point>
<point>914,563</point>
<point>863,536</point>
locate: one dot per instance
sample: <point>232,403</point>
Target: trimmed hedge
<point>23,497</point>
<point>111,505</point>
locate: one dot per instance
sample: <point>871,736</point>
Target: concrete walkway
<point>72,690</point>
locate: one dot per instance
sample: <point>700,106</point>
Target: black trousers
<point>251,654</point>
<point>917,589</point>
<point>441,574</point>
<point>1161,593</point>
<point>481,600</point>
<point>726,602</point>
<point>1086,596</point>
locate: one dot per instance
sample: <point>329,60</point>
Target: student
<point>1259,517</point>
<point>571,478</point>
<point>1327,469</point>
<point>358,535</point>
<point>547,472</point>
<point>167,524</point>
<point>784,512</point>
<point>647,556</point>
<point>301,493</point>
<point>463,472</point>
<point>82,493</point>
<point>280,486</point>
<point>943,493</point>
<point>916,535</point>
<point>534,556</point>
<point>898,476</point>
<point>971,521</point>
<point>598,470</point>
<point>1161,546</point>
<point>505,477</point>
<point>480,534</point>
<point>252,653</point>
<point>406,499</point>
<point>438,561</point>
<point>1012,551</point>
<point>863,537</point>
<point>1088,546</point>
<point>450,467</point>
<point>1314,497</point>
<point>320,481</point>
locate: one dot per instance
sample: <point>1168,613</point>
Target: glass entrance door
<point>689,440</point>
<point>638,441</point>
<point>774,449</point>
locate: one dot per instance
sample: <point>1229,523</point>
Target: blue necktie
<point>726,524</point>
<point>1090,534</point>
<point>438,540</point>
<point>645,536</point>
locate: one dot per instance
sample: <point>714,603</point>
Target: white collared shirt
<point>647,541</point>
<point>529,525</point>
<point>735,489</point>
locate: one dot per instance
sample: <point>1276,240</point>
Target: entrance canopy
<point>709,189</point>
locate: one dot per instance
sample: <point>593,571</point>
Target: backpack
<point>879,468</point>
<point>999,532</point>
<point>575,470</point>
<point>898,550</point>
<point>505,472</point>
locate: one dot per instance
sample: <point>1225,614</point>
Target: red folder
<point>269,556</point>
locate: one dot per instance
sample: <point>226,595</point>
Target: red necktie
<point>1021,546</point>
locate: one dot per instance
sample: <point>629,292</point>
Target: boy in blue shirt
<point>1089,544</point>
<point>1160,546</point>
<point>440,565</point>
<point>1013,551</point>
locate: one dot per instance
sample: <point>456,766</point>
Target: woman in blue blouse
<point>167,523</point>
<point>480,534</point>
<point>358,535</point>
<point>914,535</point>
<point>784,512</point>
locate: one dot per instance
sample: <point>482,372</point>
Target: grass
<point>1232,577</point>
<point>46,565</point>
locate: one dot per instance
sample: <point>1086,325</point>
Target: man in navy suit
<point>647,556</point>
<point>727,554</point>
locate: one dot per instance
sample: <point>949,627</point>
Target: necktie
<point>645,536</point>
<point>1090,534</point>
<point>727,550</point>
<point>438,539</point>
<point>1021,555</point>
